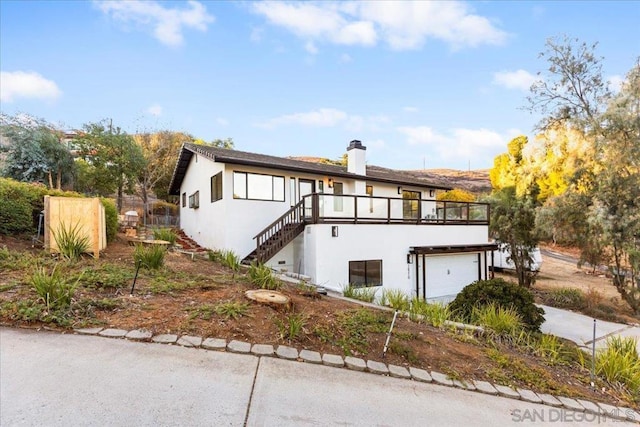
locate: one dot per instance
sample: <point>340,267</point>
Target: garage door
<point>447,274</point>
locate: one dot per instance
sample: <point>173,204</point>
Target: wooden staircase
<point>277,235</point>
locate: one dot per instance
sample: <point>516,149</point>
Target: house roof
<point>223,155</point>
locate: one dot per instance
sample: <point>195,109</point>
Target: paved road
<point>71,380</point>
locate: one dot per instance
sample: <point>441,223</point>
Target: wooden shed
<point>86,214</point>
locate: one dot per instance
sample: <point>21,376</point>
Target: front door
<point>305,187</point>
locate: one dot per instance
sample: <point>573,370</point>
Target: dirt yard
<point>186,296</point>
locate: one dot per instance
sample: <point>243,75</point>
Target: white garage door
<point>448,274</point>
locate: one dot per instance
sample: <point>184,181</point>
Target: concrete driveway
<point>62,380</point>
<point>579,328</point>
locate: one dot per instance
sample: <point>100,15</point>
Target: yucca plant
<point>232,309</point>
<point>396,299</point>
<point>499,320</point>
<point>52,288</point>
<point>230,260</point>
<point>436,314</point>
<point>292,326</point>
<point>149,256</point>
<point>72,242</point>
<point>359,293</point>
<point>262,276</point>
<point>619,363</point>
<point>166,234</point>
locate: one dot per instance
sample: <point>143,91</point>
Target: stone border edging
<point>371,366</point>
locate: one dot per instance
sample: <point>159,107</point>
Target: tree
<point>458,195</point>
<point>574,92</point>
<point>513,224</point>
<point>220,143</point>
<point>160,150</point>
<point>114,155</point>
<point>34,151</point>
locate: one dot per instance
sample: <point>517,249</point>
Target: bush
<point>567,298</point>
<point>165,234</point>
<point>53,289</point>
<point>359,293</point>
<point>395,298</point>
<point>111,218</point>
<point>502,293</point>
<point>620,363</point>
<point>71,241</point>
<point>149,256</point>
<point>500,321</point>
<point>261,276</point>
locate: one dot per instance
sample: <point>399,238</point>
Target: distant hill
<point>475,181</point>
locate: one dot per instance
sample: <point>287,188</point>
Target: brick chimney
<point>357,158</point>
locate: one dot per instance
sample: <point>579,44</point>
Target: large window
<point>365,273</point>
<point>337,200</point>
<point>216,187</point>
<point>253,186</point>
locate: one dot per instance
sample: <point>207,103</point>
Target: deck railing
<point>352,209</point>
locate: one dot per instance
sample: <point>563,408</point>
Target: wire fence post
<point>593,356</point>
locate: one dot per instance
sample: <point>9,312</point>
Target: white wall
<point>327,258</point>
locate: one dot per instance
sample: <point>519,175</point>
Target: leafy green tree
<point>34,152</point>
<point>513,221</point>
<point>161,151</point>
<point>220,143</point>
<point>458,195</point>
<point>114,155</point>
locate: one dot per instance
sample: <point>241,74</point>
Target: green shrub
<point>436,314</point>
<point>72,242</point>
<point>567,298</point>
<point>166,234</point>
<point>149,256</point>
<point>230,260</point>
<point>500,321</point>
<point>359,293</point>
<point>262,276</point>
<point>232,309</point>
<point>111,218</point>
<point>395,298</point>
<point>619,363</point>
<point>502,293</point>
<point>52,288</point>
<point>292,326</point>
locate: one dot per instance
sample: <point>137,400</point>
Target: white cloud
<point>459,143</point>
<point>327,117</point>
<point>155,110</point>
<point>401,25</point>
<point>345,58</point>
<point>167,23</point>
<point>519,79</point>
<point>615,83</point>
<point>26,84</point>
<point>311,48</point>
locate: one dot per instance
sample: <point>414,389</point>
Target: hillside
<point>475,181</point>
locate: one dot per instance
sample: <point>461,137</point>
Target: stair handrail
<point>293,216</point>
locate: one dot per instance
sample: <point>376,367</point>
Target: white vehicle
<point>502,259</point>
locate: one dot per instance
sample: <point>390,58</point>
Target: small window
<point>365,273</point>
<point>337,199</point>
<point>216,187</point>
<point>194,200</point>
<point>320,186</point>
<point>370,194</point>
<point>184,200</point>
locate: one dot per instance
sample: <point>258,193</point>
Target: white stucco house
<point>358,224</point>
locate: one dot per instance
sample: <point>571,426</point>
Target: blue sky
<point>435,84</point>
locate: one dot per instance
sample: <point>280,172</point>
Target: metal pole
<point>386,344</point>
<point>593,356</point>
<point>138,264</point>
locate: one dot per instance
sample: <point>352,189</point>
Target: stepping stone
<point>285,352</point>
<point>398,371</point>
<point>139,334</point>
<point>570,403</point>
<point>529,396</point>
<point>310,356</point>
<point>420,375</point>
<point>355,363</point>
<point>441,378</point>
<point>485,387</point>
<point>589,406</point>
<point>165,338</point>
<point>190,341</point>
<point>239,347</point>
<point>550,400</point>
<point>88,331</point>
<point>465,385</point>
<point>214,344</point>
<point>332,360</point>
<point>503,390</point>
<point>262,350</point>
<point>377,367</point>
<point>113,333</point>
